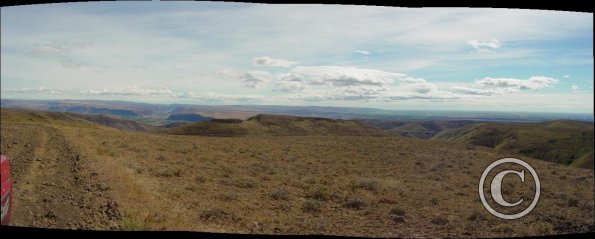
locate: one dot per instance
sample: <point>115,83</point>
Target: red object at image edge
<point>5,180</point>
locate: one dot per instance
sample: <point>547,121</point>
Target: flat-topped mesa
<point>188,117</point>
<point>269,124</point>
<point>227,121</point>
<point>280,119</point>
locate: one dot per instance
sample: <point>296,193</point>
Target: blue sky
<point>328,55</point>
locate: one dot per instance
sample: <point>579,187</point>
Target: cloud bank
<point>533,83</point>
<point>254,79</point>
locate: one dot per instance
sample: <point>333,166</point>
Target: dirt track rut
<point>52,185</point>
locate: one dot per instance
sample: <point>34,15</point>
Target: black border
<point>26,232</point>
<point>559,5</point>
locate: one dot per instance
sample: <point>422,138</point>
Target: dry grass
<point>132,223</point>
<point>340,185</point>
<point>311,205</point>
<point>330,178</point>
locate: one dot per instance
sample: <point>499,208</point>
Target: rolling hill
<point>561,141</point>
<point>423,129</point>
<point>14,115</point>
<point>266,124</point>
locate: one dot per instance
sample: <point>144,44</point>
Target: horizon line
<point>318,106</point>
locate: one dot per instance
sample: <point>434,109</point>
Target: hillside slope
<point>561,141</point>
<point>423,129</point>
<point>266,124</point>
<point>19,115</point>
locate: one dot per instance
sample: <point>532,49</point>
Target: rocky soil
<point>52,186</point>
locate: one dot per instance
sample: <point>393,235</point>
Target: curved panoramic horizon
<point>317,55</point>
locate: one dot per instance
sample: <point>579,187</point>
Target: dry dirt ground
<point>94,177</point>
<point>52,187</point>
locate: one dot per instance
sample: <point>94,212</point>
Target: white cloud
<point>291,82</point>
<point>346,76</point>
<point>39,90</point>
<point>254,79</point>
<point>399,95</point>
<point>362,52</point>
<point>533,83</point>
<point>566,76</point>
<point>126,91</point>
<point>375,93</point>
<point>364,90</point>
<point>290,77</point>
<point>497,86</point>
<point>409,79</point>
<point>215,97</point>
<point>574,87</point>
<point>270,62</point>
<point>348,93</point>
<point>471,91</point>
<point>349,83</point>
<point>291,86</point>
<point>342,76</point>
<point>131,91</point>
<point>422,88</point>
<point>479,46</point>
<point>482,92</point>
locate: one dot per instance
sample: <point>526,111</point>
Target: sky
<point>316,55</point>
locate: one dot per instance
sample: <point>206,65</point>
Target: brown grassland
<point>379,186</point>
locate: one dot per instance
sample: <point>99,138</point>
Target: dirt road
<point>53,186</point>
